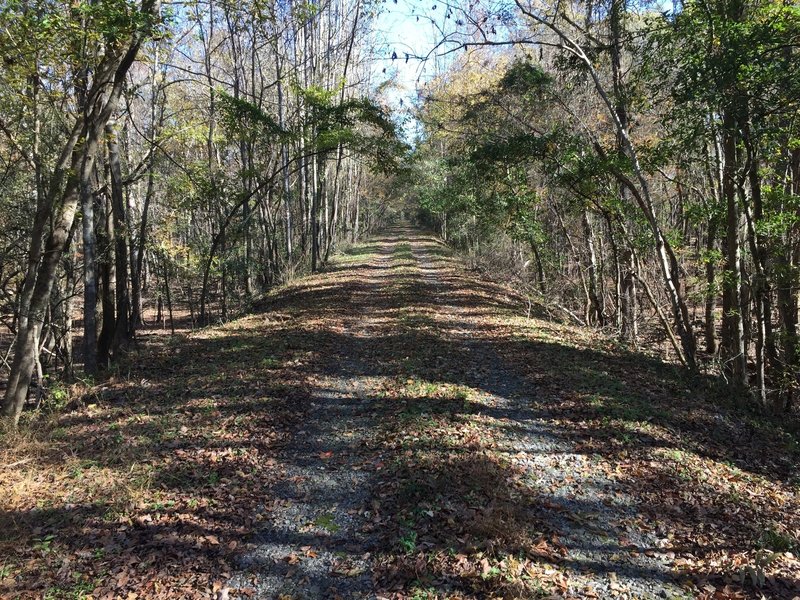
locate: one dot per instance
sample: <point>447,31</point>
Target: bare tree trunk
<point>356,216</point>
<point>315,229</point>
<point>168,294</point>
<point>89,263</point>
<point>595,301</point>
<point>711,289</point>
<point>106,275</point>
<point>537,259</point>
<point>287,190</point>
<point>138,250</point>
<point>207,39</point>
<point>629,309</point>
<point>733,345</point>
<point>121,240</point>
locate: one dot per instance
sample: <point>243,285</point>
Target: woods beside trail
<point>397,428</point>
<point>635,168</point>
<point>399,300</point>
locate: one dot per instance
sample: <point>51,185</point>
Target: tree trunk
<point>315,198</point>
<point>121,241</point>
<point>138,250</point>
<point>101,100</point>
<point>537,259</point>
<point>105,270</point>
<point>287,189</point>
<point>595,301</point>
<point>628,308</point>
<point>735,304</point>
<point>89,263</point>
<point>711,289</point>
<point>733,346</point>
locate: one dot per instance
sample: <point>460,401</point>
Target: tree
<point>120,29</point>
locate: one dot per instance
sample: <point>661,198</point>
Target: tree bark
<point>121,240</point>
<point>596,311</point>
<point>711,289</point>
<point>89,260</point>
<point>733,342</point>
<point>101,100</point>
<point>106,276</point>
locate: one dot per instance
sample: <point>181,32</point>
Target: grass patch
<point>327,522</point>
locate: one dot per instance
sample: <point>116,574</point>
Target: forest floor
<point>397,428</point>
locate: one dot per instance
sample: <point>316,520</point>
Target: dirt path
<point>396,428</point>
<point>321,541</point>
<point>585,508</point>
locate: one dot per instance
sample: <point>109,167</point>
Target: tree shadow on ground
<point>180,449</point>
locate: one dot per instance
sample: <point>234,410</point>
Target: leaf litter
<point>394,428</point>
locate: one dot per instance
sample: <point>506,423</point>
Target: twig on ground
<point>15,464</point>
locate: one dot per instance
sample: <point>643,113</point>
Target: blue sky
<point>405,27</point>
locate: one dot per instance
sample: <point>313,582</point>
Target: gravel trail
<point>318,540</point>
<point>586,508</point>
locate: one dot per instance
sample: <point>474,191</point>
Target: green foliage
<point>358,124</point>
<point>777,541</point>
<point>244,120</point>
<point>408,542</point>
<point>44,545</point>
<point>113,20</point>
<point>728,58</point>
<point>305,11</point>
<point>68,33</point>
<point>327,522</point>
<point>525,79</point>
<point>524,146</point>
